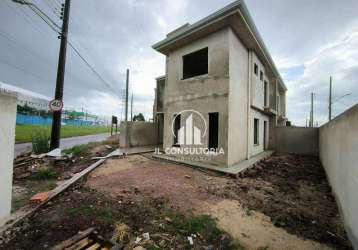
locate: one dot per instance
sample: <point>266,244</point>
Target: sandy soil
<point>256,231</point>
<point>186,189</point>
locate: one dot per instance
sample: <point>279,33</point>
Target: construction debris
<point>55,153</point>
<point>39,197</point>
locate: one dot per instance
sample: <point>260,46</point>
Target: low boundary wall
<point>297,140</point>
<point>136,134</point>
<point>338,150</point>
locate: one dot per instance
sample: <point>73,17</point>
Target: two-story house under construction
<point>220,67</point>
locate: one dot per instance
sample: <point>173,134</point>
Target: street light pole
<point>56,121</point>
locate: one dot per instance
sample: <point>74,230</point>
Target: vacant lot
<point>284,203</point>
<point>25,132</point>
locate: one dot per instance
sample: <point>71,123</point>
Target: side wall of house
<point>338,143</point>
<point>205,94</point>
<point>239,78</point>
<point>257,108</point>
<point>7,142</point>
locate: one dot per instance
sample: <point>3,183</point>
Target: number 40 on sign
<point>56,105</point>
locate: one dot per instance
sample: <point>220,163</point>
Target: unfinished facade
<point>220,67</point>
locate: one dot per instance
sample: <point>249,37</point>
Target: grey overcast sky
<point>308,39</point>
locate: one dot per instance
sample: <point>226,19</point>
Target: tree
<point>139,117</point>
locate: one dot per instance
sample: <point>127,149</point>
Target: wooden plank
<point>94,246</point>
<point>74,239</point>
<point>81,244</point>
<point>15,219</point>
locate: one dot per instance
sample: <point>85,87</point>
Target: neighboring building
<point>220,67</point>
<point>27,97</point>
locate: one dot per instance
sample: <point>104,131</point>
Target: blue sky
<point>309,41</point>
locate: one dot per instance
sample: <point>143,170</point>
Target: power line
<point>22,70</point>
<point>71,45</point>
<point>90,66</point>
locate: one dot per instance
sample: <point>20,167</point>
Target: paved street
<point>65,142</point>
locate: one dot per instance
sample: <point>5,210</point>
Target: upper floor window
<point>256,69</point>
<point>265,93</point>
<point>195,64</point>
<point>261,75</point>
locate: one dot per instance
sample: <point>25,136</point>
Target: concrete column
<point>7,142</point>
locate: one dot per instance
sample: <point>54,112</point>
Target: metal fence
<point>40,120</point>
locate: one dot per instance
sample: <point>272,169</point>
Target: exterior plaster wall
<point>297,140</point>
<point>257,87</point>
<point>7,142</point>
<point>238,101</point>
<point>205,94</point>
<point>135,134</point>
<point>338,143</point>
<point>256,149</point>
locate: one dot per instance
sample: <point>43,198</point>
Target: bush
<point>40,141</point>
<point>45,173</point>
<point>80,150</point>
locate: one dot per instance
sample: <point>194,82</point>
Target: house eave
<point>219,20</point>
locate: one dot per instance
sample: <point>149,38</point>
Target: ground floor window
<point>213,130</point>
<point>256,131</point>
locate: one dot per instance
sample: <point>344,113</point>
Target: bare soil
<point>284,202</point>
<point>81,207</point>
<point>294,193</point>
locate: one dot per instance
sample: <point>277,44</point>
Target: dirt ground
<point>289,192</point>
<point>32,179</point>
<point>283,203</point>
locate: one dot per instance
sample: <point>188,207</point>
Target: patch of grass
<point>93,213</point>
<point>204,225</point>
<point>25,131</point>
<point>80,150</point>
<point>44,173</point>
<point>40,141</point>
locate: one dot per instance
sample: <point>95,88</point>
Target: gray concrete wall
<point>238,101</point>
<point>135,134</point>
<point>205,94</point>
<point>338,149</point>
<point>298,140</point>
<point>7,142</point>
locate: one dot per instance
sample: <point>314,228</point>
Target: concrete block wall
<point>7,142</point>
<point>136,134</point>
<point>338,150</point>
<point>297,140</point>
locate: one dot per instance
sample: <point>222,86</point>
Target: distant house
<point>220,67</point>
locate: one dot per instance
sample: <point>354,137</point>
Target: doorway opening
<point>213,130</point>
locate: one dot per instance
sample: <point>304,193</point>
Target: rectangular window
<point>265,135</point>
<point>261,75</point>
<point>256,131</point>
<point>265,93</point>
<point>213,130</point>
<point>176,129</point>
<point>256,69</point>
<point>195,64</point>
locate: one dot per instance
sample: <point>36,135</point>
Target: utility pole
<point>56,121</point>
<point>330,100</point>
<point>132,108</point>
<point>127,84</point>
<point>311,114</point>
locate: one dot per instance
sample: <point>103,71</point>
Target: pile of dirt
<point>149,224</point>
<point>294,192</point>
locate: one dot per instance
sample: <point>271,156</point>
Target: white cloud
<point>339,59</point>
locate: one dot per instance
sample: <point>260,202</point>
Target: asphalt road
<point>65,142</point>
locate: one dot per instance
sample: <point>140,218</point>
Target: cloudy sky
<point>308,39</point>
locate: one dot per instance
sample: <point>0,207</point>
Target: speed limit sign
<point>56,105</point>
